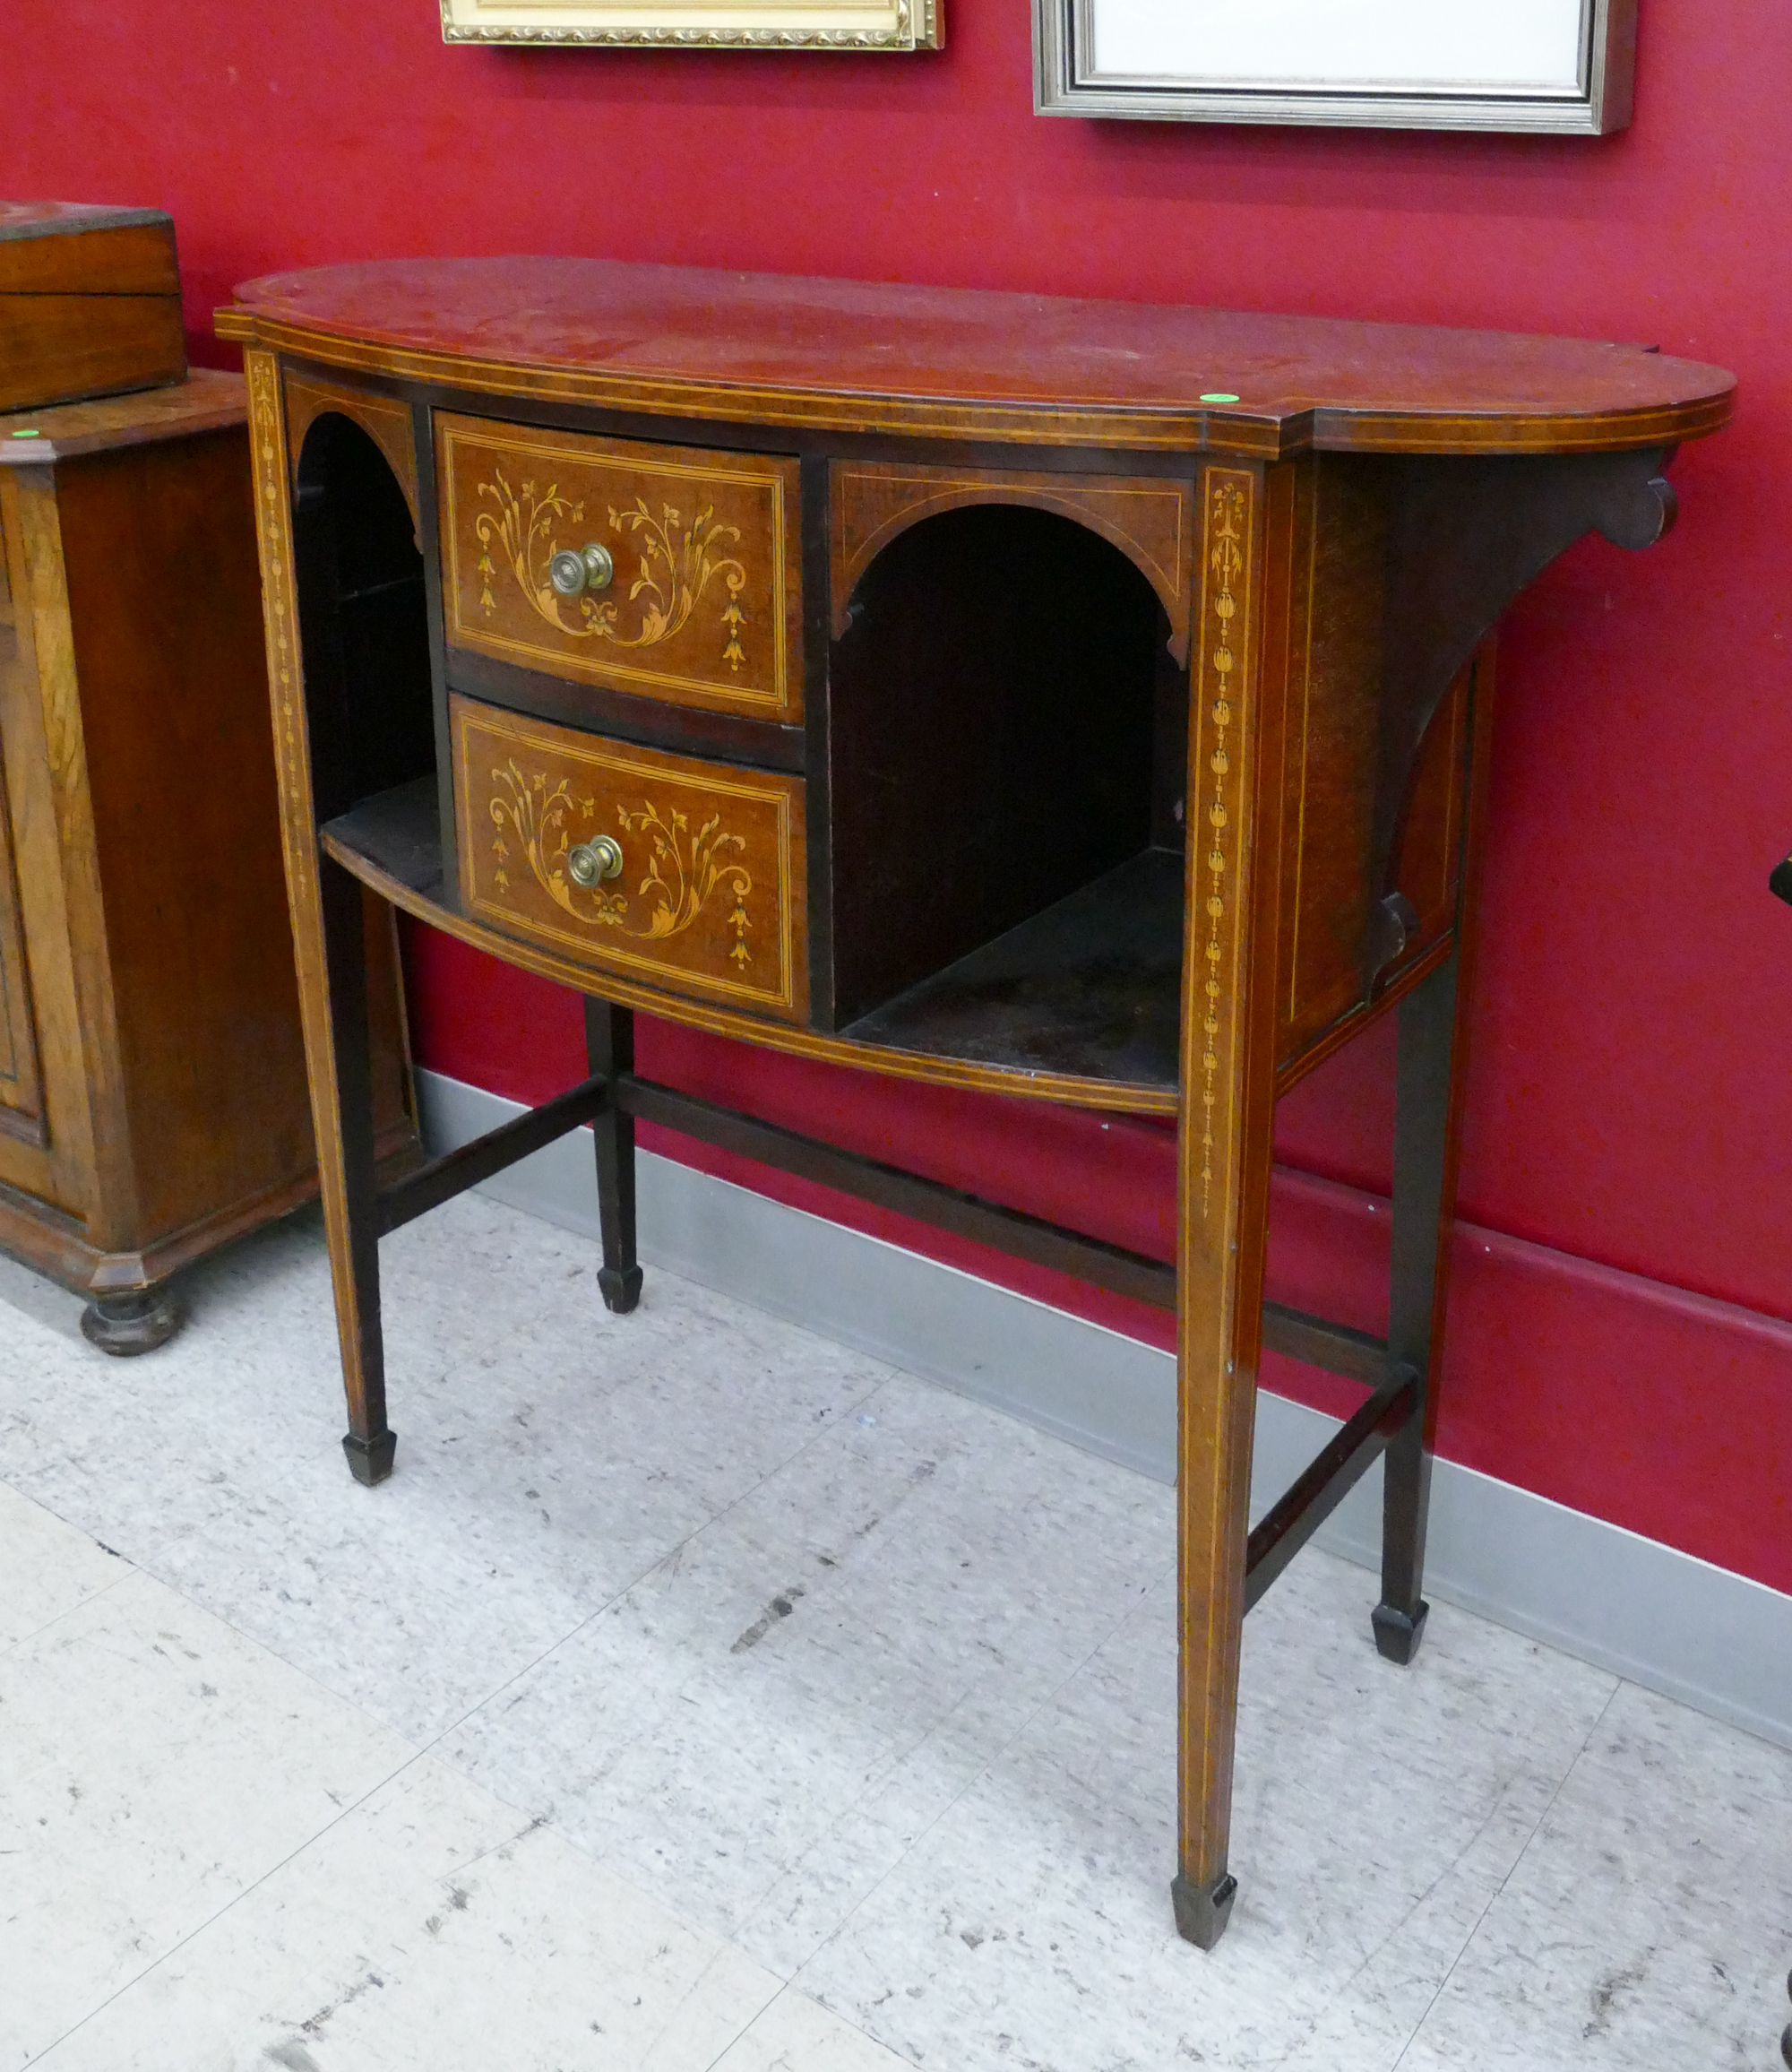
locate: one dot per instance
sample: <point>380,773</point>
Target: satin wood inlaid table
<point>1076,700</point>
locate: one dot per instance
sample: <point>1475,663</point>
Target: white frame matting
<point>1558,66</point>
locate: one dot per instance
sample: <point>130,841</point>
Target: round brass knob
<point>590,863</point>
<point>573,571</point>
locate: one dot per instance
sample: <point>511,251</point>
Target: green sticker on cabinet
<point>1218,396</point>
<point>32,434</point>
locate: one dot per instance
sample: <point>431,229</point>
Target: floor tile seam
<point>725,1947</point>
<point>142,1569</point>
<point>970,1784</point>
<point>1417,1906</point>
<point>884,1771</point>
<point>255,1884</point>
<point>634,1582</point>
<point>553,1646</point>
<point>534,1816</point>
<point>940,1726</point>
<point>1494,1897</point>
<point>93,1596</point>
<point>784,1987</point>
<point>13,1488</point>
<point>725,1944</point>
<point>882,1775</point>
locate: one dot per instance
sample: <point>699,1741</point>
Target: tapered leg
<point>1433,1050</point>
<point>1425,1111</point>
<point>342,1107</point>
<point>1225,1150</point>
<point>326,906</point>
<point>609,1047</point>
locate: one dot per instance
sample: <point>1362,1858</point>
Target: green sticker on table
<point>32,434</point>
<point>1218,396</point>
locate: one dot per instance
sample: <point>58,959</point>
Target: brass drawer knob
<point>573,571</point>
<point>590,863</point>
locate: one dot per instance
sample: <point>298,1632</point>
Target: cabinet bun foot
<point>136,1321</point>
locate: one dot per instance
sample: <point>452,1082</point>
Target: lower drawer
<point>655,868</point>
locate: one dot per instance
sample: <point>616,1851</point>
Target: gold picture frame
<point>701,24</point>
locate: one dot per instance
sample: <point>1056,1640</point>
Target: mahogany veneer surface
<point>715,344</point>
<point>89,302</point>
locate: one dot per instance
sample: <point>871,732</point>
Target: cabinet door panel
<point>21,1112</point>
<point>46,1144</point>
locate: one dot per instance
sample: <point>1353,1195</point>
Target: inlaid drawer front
<point>661,570</point>
<point>652,866</point>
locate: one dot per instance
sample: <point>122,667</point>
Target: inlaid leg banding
<point>1227,1077</point>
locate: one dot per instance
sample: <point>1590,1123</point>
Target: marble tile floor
<point>700,1695</point>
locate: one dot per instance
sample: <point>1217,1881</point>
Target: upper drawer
<point>704,606</point>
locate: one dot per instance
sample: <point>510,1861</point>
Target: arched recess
<point>364,626</point>
<point>1148,518</point>
<point>384,419</point>
<point>1006,726</point>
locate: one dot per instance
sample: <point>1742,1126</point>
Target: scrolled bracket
<point>1465,536</point>
<point>1635,515</point>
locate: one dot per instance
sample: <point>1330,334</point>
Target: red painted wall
<point>1630,1101</point>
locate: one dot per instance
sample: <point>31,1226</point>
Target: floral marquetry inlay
<point>1218,688</point>
<point>634,861</point>
<point>677,560</point>
<point>684,867</point>
<point>665,572</point>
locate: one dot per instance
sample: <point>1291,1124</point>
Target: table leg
<point>326,906</point>
<point>1226,1149</point>
<point>609,1047</point>
<point>1427,1104</point>
<point>1430,1076</point>
<point>342,1110</point>
<point>1220,1336</point>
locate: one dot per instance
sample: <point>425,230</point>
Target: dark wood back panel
<point>364,624</point>
<point>991,708</point>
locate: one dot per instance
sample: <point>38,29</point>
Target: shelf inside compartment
<point>398,831</point>
<point>1090,987</point>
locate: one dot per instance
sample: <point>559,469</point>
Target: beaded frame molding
<point>895,25</point>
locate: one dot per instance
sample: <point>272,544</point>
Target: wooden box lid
<point>89,302</point>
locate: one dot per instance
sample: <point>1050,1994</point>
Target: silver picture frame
<point>1143,59</point>
<point>846,25</point>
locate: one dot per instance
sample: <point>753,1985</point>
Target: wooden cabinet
<point>152,1086</point>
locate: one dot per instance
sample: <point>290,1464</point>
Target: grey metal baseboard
<point>1644,1610</point>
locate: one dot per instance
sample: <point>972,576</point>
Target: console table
<point>1083,701</point>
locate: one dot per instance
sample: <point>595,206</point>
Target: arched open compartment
<point>1006,764</point>
<point>364,622</point>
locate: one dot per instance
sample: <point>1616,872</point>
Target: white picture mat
<point>1404,46</point>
